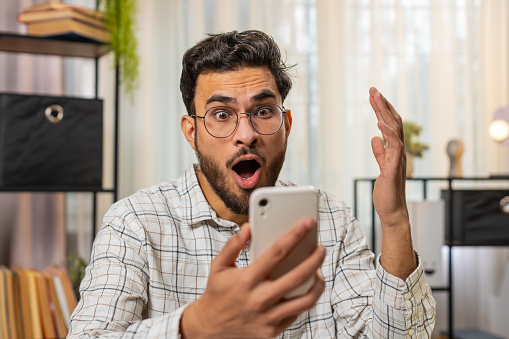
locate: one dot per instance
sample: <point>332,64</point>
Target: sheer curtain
<point>442,63</point>
<point>153,148</point>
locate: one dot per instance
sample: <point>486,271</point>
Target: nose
<point>245,134</point>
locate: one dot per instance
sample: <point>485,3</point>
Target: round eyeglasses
<point>222,121</point>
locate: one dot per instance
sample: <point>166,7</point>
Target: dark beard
<point>237,203</point>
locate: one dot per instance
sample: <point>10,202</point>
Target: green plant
<point>76,268</point>
<point>120,18</point>
<point>412,147</point>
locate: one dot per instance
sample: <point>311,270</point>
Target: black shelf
<point>18,43</point>
<point>448,222</point>
<point>13,42</point>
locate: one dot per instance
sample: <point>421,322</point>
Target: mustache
<point>244,151</point>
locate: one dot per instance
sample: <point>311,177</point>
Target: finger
<point>261,268</point>
<point>377,112</point>
<point>394,150</point>
<point>385,114</point>
<point>292,307</point>
<point>300,274</point>
<point>230,251</point>
<point>397,117</point>
<point>378,151</point>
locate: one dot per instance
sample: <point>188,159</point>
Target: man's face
<point>236,165</point>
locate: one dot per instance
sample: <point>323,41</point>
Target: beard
<point>238,202</point>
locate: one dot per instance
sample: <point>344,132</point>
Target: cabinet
<point>449,237</point>
<point>15,43</point>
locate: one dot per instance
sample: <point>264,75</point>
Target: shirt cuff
<point>167,326</point>
<point>399,294</point>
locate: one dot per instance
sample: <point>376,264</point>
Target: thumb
<point>378,150</point>
<point>230,251</point>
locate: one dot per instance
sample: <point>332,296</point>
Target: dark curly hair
<point>232,51</point>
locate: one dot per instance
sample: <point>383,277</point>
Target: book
<point>57,5</point>
<point>34,304</point>
<point>62,299</point>
<point>47,5</point>
<point>11,303</point>
<point>4,321</point>
<point>54,304</point>
<point>24,304</point>
<point>18,307</point>
<point>96,20</point>
<point>30,305</point>
<point>68,28</point>
<point>70,297</point>
<point>48,325</point>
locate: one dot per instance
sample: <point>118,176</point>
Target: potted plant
<point>413,148</point>
<point>120,19</point>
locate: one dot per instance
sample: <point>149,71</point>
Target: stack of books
<point>35,304</point>
<point>59,20</point>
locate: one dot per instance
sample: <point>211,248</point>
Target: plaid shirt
<point>152,257</point>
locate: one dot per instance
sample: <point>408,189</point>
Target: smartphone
<point>274,211</point>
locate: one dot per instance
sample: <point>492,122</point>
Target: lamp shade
<point>499,127</point>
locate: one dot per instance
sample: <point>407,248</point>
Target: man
<point>173,259</point>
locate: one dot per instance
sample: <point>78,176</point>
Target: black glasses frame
<point>283,111</point>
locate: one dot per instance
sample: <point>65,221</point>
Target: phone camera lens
<point>263,202</point>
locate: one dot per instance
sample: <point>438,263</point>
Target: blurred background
<point>443,64</point>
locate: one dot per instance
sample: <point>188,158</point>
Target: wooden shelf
<point>12,42</point>
<point>55,189</point>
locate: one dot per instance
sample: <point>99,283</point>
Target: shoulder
<point>147,210</point>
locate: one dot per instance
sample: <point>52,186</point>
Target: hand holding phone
<point>273,212</point>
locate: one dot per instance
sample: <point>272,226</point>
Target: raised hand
<point>389,198</point>
<point>245,303</point>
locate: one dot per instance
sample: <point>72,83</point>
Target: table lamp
<point>499,129</point>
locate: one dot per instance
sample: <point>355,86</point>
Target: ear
<point>288,122</point>
<point>187,124</point>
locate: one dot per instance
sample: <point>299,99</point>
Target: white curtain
<point>444,65</point>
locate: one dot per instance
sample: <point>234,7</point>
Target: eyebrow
<point>221,98</point>
<point>266,93</point>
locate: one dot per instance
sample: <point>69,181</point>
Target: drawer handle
<point>54,113</point>
<point>504,204</point>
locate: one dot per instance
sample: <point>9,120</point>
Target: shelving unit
<point>448,226</point>
<point>16,43</point>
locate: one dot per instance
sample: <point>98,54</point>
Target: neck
<point>216,203</point>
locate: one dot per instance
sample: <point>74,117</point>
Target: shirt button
<point>408,296</point>
<point>411,331</point>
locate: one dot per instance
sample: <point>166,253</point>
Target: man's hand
<point>398,257</point>
<point>245,303</point>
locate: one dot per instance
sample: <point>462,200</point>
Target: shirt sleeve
<point>371,303</point>
<point>114,291</point>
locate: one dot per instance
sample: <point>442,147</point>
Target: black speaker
<point>49,142</point>
<point>479,217</point>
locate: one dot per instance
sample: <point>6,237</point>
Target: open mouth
<point>247,173</point>
<point>246,169</point>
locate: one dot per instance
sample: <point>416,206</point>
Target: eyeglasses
<point>222,121</point>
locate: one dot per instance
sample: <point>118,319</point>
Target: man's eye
<point>222,115</point>
<point>264,112</point>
